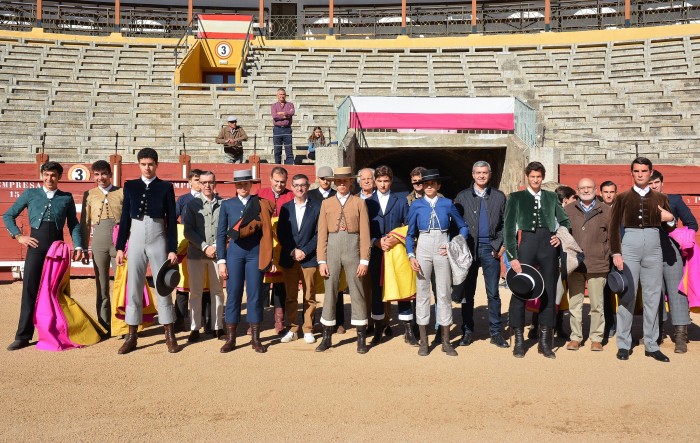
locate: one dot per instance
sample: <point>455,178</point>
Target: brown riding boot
<point>423,345</point>
<point>170,340</point>
<point>255,341</point>
<point>230,344</point>
<point>446,345</point>
<point>129,341</point>
<point>681,339</point>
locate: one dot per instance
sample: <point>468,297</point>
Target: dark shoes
<point>377,337</point>
<point>499,341</point>
<point>519,348</point>
<point>326,339</point>
<point>18,344</point>
<point>362,338</point>
<point>423,346</point>
<point>279,320</point>
<point>446,345</point>
<point>437,340</point>
<point>544,346</point>
<point>194,337</point>
<point>623,354</point>
<point>658,356</point>
<point>170,340</point>
<point>255,339</point>
<point>129,341</point>
<point>680,338</point>
<point>466,339</point>
<point>408,336</point>
<point>230,344</point>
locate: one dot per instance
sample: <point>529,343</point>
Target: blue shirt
<point>420,213</point>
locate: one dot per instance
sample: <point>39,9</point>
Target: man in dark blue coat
<point>673,267</point>
<point>297,231</point>
<point>387,211</point>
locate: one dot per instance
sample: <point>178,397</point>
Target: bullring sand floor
<point>295,394</point>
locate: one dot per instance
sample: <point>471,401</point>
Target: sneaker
<point>289,336</point>
<point>309,338</point>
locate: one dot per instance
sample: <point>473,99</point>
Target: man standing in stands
<point>589,227</point>
<point>232,137</point>
<point>673,266</point>
<point>278,195</point>
<point>642,212</point>
<point>149,224</point>
<point>102,210</point>
<point>282,113</point>
<point>182,296</point>
<point>48,210</point>
<point>343,243</point>
<point>324,191</point>
<point>482,208</point>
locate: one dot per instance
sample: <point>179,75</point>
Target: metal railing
<point>183,45</point>
<point>17,16</point>
<point>346,118</point>
<point>525,123</point>
<point>244,51</point>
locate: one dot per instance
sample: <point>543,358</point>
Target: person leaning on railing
<point>232,137</point>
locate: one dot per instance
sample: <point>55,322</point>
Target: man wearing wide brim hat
<point>343,243</point>
<point>244,249</point>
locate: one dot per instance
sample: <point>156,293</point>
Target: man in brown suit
<point>589,226</point>
<point>343,243</point>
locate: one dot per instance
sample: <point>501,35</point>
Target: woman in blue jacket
<point>429,221</point>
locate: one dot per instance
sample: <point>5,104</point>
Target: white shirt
<point>640,191</point>
<point>537,195</point>
<point>431,201</point>
<point>299,210</point>
<point>383,200</point>
<point>49,194</point>
<point>106,190</point>
<point>244,200</point>
<point>148,181</point>
<point>194,193</point>
<point>324,192</point>
<point>342,198</point>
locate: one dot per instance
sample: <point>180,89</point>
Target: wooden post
<point>38,14</point>
<point>403,17</point>
<point>330,17</point>
<point>547,15</point>
<point>261,16</point>
<point>189,11</point>
<point>117,16</point>
<point>115,161</point>
<point>185,165</point>
<point>627,14</point>
<point>473,16</point>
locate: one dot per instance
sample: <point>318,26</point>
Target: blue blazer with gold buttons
<point>157,200</point>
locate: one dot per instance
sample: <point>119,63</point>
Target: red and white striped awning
<point>495,113</point>
<point>224,26</point>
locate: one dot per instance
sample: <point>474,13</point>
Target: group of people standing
<point>379,245</point>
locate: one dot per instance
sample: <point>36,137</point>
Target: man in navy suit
<point>297,231</point>
<point>673,267</point>
<point>149,223</point>
<point>387,211</point>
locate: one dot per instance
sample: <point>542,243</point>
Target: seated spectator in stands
<point>232,137</point>
<point>316,139</point>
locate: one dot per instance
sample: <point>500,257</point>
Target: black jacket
<point>316,195</point>
<point>290,237</point>
<point>468,204</point>
<point>160,197</point>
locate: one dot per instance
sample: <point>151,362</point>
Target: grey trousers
<point>344,253</point>
<point>103,254</point>
<point>147,244</point>
<point>430,261</point>
<point>641,251</point>
<point>197,269</point>
<point>677,302</point>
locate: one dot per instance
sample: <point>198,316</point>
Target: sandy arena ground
<point>295,394</point>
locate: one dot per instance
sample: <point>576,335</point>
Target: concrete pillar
<point>331,156</point>
<point>115,161</point>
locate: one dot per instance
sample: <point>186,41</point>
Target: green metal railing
<point>526,123</point>
<point>345,122</point>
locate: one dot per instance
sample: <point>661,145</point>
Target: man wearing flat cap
<point>232,137</point>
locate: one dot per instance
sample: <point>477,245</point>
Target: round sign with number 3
<point>224,50</point>
<point>78,173</point>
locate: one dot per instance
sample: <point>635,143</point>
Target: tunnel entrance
<point>453,162</point>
